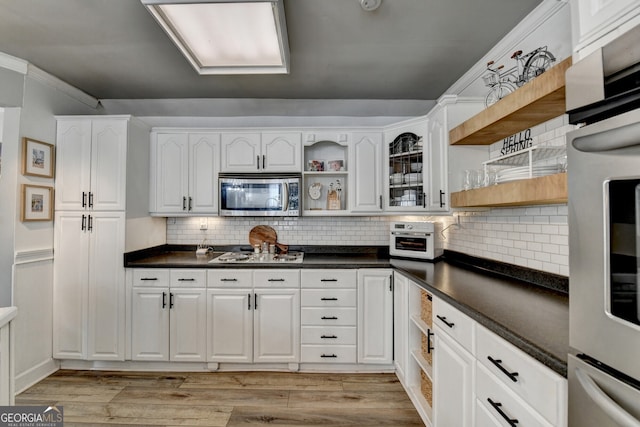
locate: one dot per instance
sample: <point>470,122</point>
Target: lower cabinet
<point>375,316</point>
<point>168,315</point>
<point>253,316</point>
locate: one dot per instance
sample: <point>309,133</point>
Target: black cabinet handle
<point>496,405</point>
<point>171,300</point>
<point>84,222</point>
<point>90,199</point>
<point>328,299</point>
<point>90,225</point>
<point>187,280</point>
<point>429,346</point>
<point>84,199</point>
<point>329,318</point>
<point>275,280</point>
<point>328,280</point>
<point>228,280</point>
<point>444,320</point>
<point>333,337</point>
<point>424,199</point>
<point>264,157</point>
<point>441,202</point>
<point>190,203</point>
<point>248,301</point>
<point>255,301</point>
<point>144,279</point>
<point>258,162</point>
<point>164,299</point>
<point>329,355</point>
<point>513,376</point>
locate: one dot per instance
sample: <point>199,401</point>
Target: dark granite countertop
<point>527,308</point>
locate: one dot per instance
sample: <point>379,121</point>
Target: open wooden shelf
<point>539,100</point>
<point>543,190</point>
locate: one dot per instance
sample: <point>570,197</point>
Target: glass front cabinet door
<point>406,171</point>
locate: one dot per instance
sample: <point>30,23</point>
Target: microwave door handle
<point>609,140</point>
<point>604,402</point>
<point>285,205</point>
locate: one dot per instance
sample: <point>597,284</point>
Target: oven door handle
<point>604,402</point>
<point>609,139</point>
<point>285,187</point>
<point>411,234</point>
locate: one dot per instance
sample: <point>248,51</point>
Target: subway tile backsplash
<point>534,237</point>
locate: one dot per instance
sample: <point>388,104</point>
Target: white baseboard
<point>35,374</point>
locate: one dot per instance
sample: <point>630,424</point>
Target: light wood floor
<point>225,399</point>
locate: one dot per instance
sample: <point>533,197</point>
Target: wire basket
<point>490,79</point>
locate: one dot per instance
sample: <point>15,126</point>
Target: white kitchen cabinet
<point>326,168</point>
<point>184,170</point>
<point>261,152</point>
<point>375,316</point>
<point>88,279</point>
<point>366,172</point>
<point>401,325</point>
<point>453,377</point>
<point>435,154</point>
<point>329,316</point>
<point>253,316</point>
<point>168,322</point>
<point>91,163</point>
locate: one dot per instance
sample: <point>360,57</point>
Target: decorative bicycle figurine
<point>528,67</point>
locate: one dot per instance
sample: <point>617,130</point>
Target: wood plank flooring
<point>224,399</point>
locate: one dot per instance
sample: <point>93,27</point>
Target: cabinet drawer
<point>151,277</point>
<point>540,387</point>
<point>328,354</point>
<point>458,326</point>
<point>505,405</point>
<point>181,278</point>
<point>269,278</point>
<point>320,278</point>
<point>328,316</point>
<point>224,278</point>
<point>332,335</point>
<point>329,297</point>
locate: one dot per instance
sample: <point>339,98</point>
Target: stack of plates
<point>522,172</point>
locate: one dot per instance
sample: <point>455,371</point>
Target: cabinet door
<point>241,152</point>
<point>375,316</point>
<point>366,162</point>
<point>108,164</point>
<point>204,153</point>
<point>171,155</point>
<point>73,162</point>
<point>276,325</point>
<point>453,378</point>
<point>70,272</point>
<point>281,152</point>
<point>401,324</point>
<point>435,176</point>
<point>229,325</point>
<point>106,287</point>
<point>150,324</point>
<point>188,325</point>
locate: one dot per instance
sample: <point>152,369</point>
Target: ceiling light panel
<point>226,37</point>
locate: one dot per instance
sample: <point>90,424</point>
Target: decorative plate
<point>315,190</point>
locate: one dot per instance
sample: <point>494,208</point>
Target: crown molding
<point>504,47</point>
<point>14,64</point>
<point>54,82</point>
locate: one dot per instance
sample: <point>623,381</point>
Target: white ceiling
<point>404,50</point>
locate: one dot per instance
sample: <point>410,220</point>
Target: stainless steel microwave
<point>259,194</point>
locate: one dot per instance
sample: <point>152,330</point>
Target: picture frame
<point>38,158</point>
<point>37,203</point>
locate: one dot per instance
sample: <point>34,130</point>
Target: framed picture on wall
<point>37,203</point>
<point>37,158</point>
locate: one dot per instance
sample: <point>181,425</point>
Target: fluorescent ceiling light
<point>226,36</point>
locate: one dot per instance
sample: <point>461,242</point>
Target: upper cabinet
<point>261,152</point>
<point>366,173</point>
<point>184,172</point>
<point>91,163</point>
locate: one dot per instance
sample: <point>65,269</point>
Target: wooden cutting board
<point>262,233</point>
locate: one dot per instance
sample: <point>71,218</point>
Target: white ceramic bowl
<point>416,167</point>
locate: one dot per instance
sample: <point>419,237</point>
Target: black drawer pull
<point>333,337</point>
<point>145,279</point>
<point>329,318</point>
<point>170,299</point>
<point>496,405</point>
<point>228,280</point>
<point>513,376</point>
<point>429,346</point>
<point>444,320</point>
<point>186,280</point>
<point>328,299</point>
<point>164,299</point>
<point>275,280</point>
<point>328,280</point>
<point>329,355</point>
